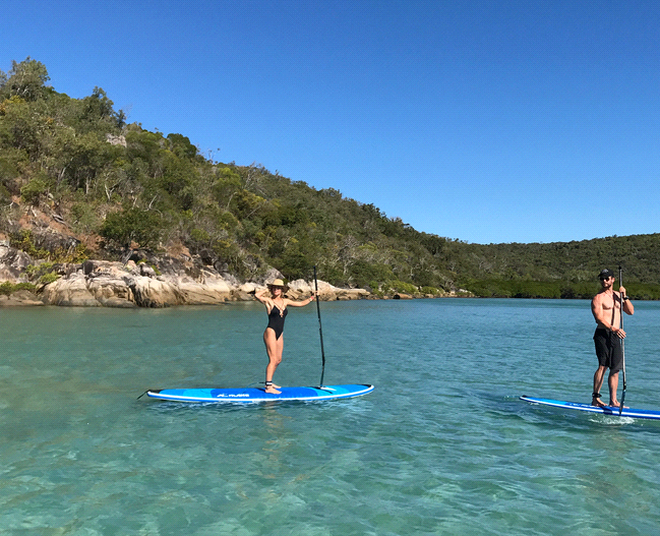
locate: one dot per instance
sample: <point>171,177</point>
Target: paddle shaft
<point>623,344</point>
<point>318,310</point>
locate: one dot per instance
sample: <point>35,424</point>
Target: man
<point>606,308</point>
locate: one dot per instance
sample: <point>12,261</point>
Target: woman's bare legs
<point>274,349</point>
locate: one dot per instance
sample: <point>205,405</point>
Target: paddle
<point>623,347</point>
<point>318,310</point>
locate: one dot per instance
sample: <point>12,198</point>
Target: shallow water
<point>442,446</point>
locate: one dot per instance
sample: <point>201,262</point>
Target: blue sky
<point>484,121</point>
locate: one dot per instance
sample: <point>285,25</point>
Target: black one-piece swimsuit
<point>276,320</point>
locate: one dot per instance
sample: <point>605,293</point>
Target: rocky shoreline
<point>111,284</point>
<point>164,283</point>
<point>148,280</point>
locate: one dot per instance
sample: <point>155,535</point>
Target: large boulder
<point>13,263</point>
<point>352,294</point>
<point>20,298</point>
<point>70,291</point>
<point>209,291</point>
<point>150,292</point>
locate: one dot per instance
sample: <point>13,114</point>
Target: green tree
<point>98,114</point>
<point>21,127</point>
<point>26,80</point>
<point>132,225</point>
<point>180,179</point>
<point>180,145</point>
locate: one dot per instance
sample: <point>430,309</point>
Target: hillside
<point>77,182</point>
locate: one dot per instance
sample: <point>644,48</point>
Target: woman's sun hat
<point>278,283</point>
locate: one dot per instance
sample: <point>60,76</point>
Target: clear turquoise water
<point>442,446</point>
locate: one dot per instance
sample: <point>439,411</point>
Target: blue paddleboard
<point>607,410</point>
<point>252,394</point>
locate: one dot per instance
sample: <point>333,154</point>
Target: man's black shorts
<point>608,350</point>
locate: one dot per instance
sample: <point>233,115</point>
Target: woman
<point>276,306</point>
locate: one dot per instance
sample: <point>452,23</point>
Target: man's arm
<point>627,306</point>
